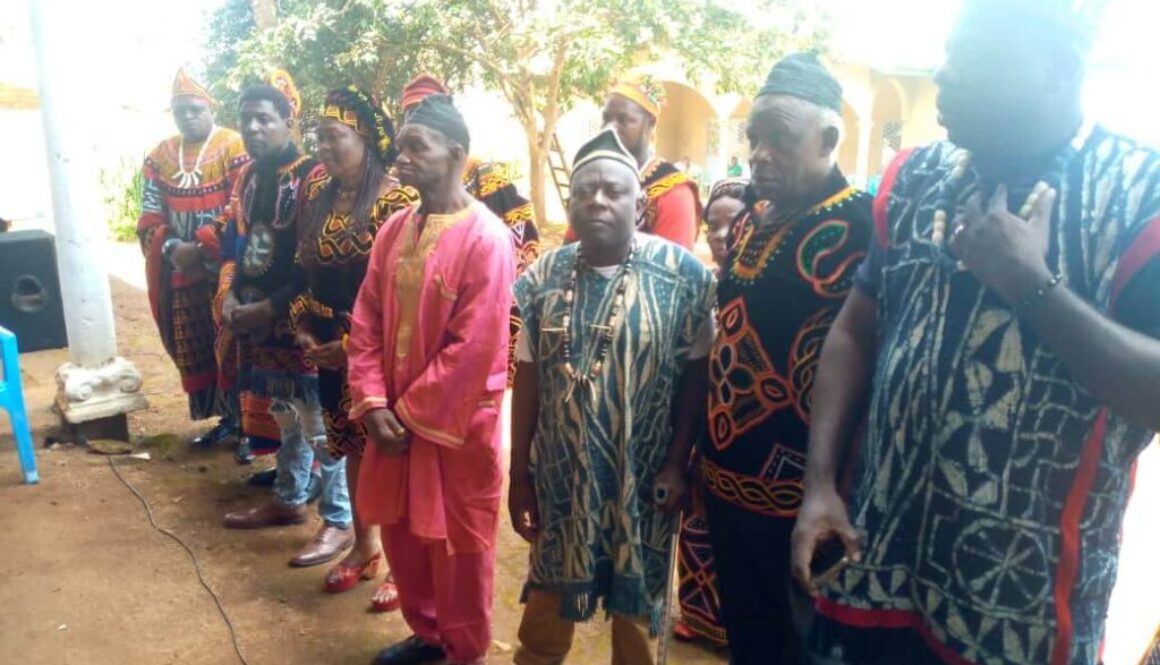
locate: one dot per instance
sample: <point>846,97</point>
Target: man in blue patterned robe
<point>1002,345</point>
<point>612,373</point>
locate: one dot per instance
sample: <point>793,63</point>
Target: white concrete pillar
<point>96,383</point>
<point>723,106</point>
<point>866,129</point>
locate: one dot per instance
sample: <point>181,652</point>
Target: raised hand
<point>1006,253</point>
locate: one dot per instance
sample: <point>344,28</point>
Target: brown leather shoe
<point>330,542</point>
<point>270,514</point>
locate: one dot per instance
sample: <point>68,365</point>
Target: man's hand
<point>386,431</point>
<point>1006,254</point>
<point>671,488</point>
<point>822,516</point>
<point>524,509</point>
<point>305,341</point>
<point>187,258</point>
<point>328,356</point>
<point>229,305</point>
<point>254,317</point>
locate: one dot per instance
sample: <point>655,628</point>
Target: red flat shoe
<point>390,592</point>
<point>344,578</point>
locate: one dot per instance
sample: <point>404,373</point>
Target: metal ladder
<point>561,172</point>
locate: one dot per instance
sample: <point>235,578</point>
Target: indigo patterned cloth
<point>991,485</point>
<point>594,456</point>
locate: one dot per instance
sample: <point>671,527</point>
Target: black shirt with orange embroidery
<point>778,294</point>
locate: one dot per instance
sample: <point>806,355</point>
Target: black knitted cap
<point>803,76</point>
<point>438,112</point>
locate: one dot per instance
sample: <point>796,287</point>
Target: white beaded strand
<point>192,178</point>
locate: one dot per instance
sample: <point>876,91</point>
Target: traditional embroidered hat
<point>605,145</point>
<point>185,86</point>
<point>643,89</point>
<point>280,80</point>
<point>438,112</point>
<point>421,87</point>
<point>1078,20</point>
<point>730,188</point>
<point>362,112</point>
<point>803,76</point>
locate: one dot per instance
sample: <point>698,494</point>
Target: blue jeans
<point>303,441</point>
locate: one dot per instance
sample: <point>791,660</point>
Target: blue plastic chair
<point>12,401</point>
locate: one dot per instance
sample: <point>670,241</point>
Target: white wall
<point>25,197</point>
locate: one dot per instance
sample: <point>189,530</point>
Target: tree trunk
<point>264,13</point>
<point>537,170</point>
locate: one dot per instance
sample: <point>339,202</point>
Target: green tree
<point>541,55</point>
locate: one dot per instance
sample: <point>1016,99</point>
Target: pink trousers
<point>446,599</point>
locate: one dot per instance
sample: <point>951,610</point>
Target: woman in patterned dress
<point>696,573</point>
<point>347,202</point>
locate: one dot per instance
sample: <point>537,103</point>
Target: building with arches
<point>884,111</point>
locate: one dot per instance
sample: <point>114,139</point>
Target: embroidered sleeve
<point>298,313</point>
<point>870,272</point>
<point>154,213</point>
<point>698,329</point>
<point>1134,299</point>
<point>1138,306</point>
<point>677,216</point>
<point>525,291</point>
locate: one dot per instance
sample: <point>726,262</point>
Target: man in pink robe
<point>428,368</point>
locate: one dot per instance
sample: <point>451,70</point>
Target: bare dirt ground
<point>84,580</point>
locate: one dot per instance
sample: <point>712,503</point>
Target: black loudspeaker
<point>30,304</point>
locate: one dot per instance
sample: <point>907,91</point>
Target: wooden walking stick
<point>661,495</point>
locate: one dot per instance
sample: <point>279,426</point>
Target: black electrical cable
<point>192,557</point>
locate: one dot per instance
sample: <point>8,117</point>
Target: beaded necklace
<point>605,333</point>
<point>959,182</point>
<point>191,178</point>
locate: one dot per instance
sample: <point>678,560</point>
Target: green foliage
<point>231,26</point>
<point>122,190</point>
<point>524,48</point>
<point>323,45</point>
<point>542,55</point>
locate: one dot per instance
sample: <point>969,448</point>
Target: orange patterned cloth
<point>491,184</point>
<point>185,86</point>
<point>421,87</point>
<point>181,304</point>
<point>642,89</point>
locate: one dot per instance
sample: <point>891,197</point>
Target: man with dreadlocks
<point>1002,347</point>
<point>427,369</point>
<point>187,184</point>
<point>346,204</point>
